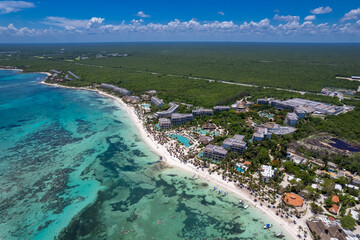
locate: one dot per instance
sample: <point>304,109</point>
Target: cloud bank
<point>321,10</point>
<point>14,6</point>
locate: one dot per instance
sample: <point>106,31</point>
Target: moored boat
<point>279,235</point>
<point>246,206</point>
<point>267,226</point>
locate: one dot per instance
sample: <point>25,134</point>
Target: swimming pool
<point>204,132</point>
<point>182,139</point>
<point>266,115</point>
<point>240,169</point>
<point>145,105</point>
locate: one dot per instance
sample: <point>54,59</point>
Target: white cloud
<point>288,29</point>
<point>142,14</point>
<point>321,10</point>
<point>352,15</point>
<point>221,13</point>
<point>12,30</point>
<point>310,18</point>
<point>14,6</point>
<point>287,18</point>
<point>71,24</point>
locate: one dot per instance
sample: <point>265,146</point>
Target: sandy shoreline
<point>290,228</point>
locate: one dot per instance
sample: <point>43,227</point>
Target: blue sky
<point>257,20</point>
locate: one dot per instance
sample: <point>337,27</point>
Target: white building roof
<point>267,171</point>
<point>338,187</point>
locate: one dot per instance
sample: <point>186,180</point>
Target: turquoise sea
<point>73,166</point>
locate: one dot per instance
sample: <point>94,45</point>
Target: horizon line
<point>117,42</point>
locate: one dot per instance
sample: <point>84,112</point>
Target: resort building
<point>164,123</point>
<point>291,119</point>
<point>179,118</point>
<point>221,108</point>
<point>267,173</point>
<point>297,159</point>
<point>278,104</point>
<point>325,229</point>
<point>73,75</point>
<point>132,99</point>
<point>309,106</point>
<point>352,186</point>
<point>335,199</point>
<point>151,92</point>
<point>338,187</point>
<point>209,125</point>
<point>241,106</point>
<point>263,101</point>
<point>293,199</point>
<point>261,134</point>
<point>167,113</point>
<point>122,91</point>
<point>235,144</point>
<point>300,112</point>
<point>205,140</point>
<point>354,214</point>
<point>214,152</point>
<point>334,209</point>
<point>202,111</point>
<point>157,101</point>
<point>276,129</point>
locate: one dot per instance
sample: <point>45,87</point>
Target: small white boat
<point>279,235</point>
<point>225,193</point>
<point>240,201</point>
<point>246,206</point>
<point>267,226</point>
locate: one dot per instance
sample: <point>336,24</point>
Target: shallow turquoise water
<point>204,132</point>
<point>71,160</point>
<point>182,139</point>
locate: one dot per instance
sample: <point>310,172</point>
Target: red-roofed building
<point>293,199</point>
<point>335,199</point>
<point>247,163</point>
<point>334,208</point>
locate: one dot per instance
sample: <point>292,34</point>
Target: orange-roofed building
<point>247,163</point>
<point>293,199</point>
<point>335,199</point>
<point>334,208</point>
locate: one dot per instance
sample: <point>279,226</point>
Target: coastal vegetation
<point>306,67</point>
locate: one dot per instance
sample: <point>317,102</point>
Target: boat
<point>279,235</point>
<point>214,188</point>
<point>267,226</point>
<point>219,191</point>
<point>246,206</point>
<point>225,193</point>
<point>240,201</point>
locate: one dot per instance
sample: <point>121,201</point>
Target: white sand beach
<point>290,228</point>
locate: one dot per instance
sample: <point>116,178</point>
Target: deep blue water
<point>73,165</point>
<point>337,143</point>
